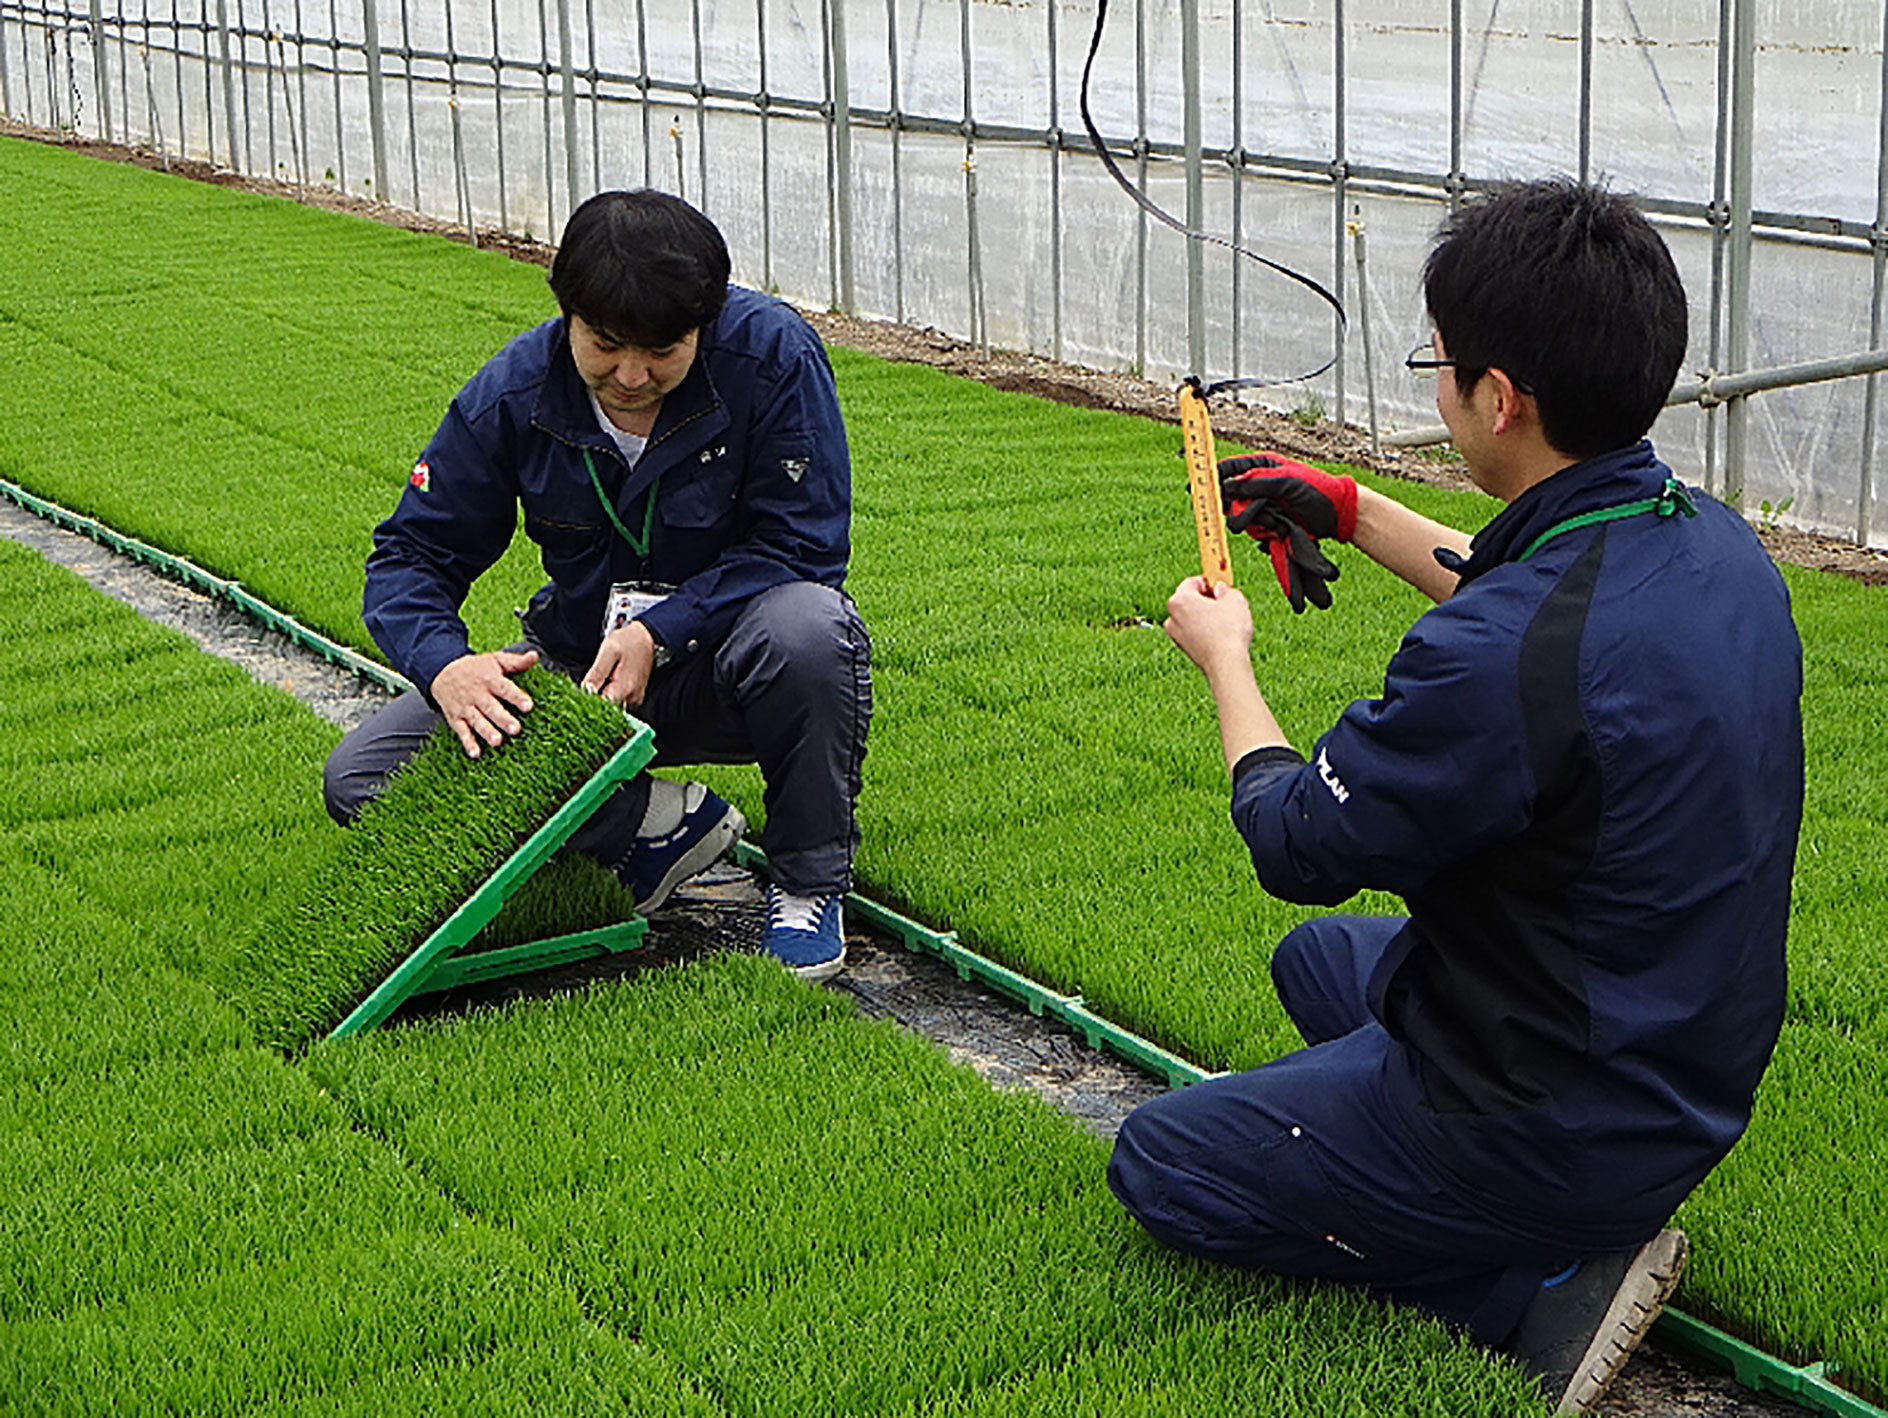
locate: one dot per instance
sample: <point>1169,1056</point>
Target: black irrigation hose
<point>1169,220</point>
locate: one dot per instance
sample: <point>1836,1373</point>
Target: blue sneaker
<point>807,934</point>
<point>660,862</point>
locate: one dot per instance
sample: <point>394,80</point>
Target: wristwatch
<point>662,652</point>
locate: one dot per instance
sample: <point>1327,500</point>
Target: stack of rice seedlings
<point>443,824</point>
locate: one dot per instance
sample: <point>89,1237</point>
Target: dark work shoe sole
<point>1648,1284</point>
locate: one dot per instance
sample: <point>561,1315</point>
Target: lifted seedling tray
<point>443,961</point>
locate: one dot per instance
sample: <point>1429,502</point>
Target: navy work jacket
<point>1585,778</point>
<point>747,462</point>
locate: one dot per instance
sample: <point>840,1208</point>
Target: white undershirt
<point>631,444</point>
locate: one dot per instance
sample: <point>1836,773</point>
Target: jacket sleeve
<point>454,519</point>
<point>793,517</point>
<point>1403,785</point>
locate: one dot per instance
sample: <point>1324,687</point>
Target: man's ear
<point>1508,401</point>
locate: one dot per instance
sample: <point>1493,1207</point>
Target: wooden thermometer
<point>1209,514</point>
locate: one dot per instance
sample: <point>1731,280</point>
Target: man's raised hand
<point>476,695</point>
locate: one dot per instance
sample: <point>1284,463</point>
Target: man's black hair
<point>640,268</point>
<point>1569,290</point>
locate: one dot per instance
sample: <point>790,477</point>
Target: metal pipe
<point>6,74</point>
<point>1719,216</point>
<point>1363,327</point>
<point>340,129</point>
<point>1055,190</point>
<point>596,96</point>
<point>462,179</point>
<point>1714,389</point>
<point>642,82</point>
<point>1586,89</point>
<point>498,119</point>
<point>544,96</point>
<point>376,97</point>
<point>242,66</point>
<point>766,155</point>
<point>701,111</point>
<point>301,89</point>
<point>1140,181</point>
<point>274,166</point>
<point>101,78</point>
<point>1196,186</point>
<point>1737,343</point>
<point>177,74</point>
<point>826,131</point>
<point>412,111</point>
<point>1340,202</point>
<point>842,152</point>
<point>1235,158</point>
<point>898,137</point>
<point>979,326</point>
<point>1455,105</point>
<point>1865,500</point>
<point>229,79</point>
<point>572,178</point>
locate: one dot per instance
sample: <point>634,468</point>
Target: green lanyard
<point>1672,499</point>
<point>649,512</point>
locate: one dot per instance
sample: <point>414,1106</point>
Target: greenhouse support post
<point>1720,222</point>
<point>1235,159</point>
<point>1363,329</point>
<point>229,80</point>
<point>1586,89</point>
<point>895,118</point>
<point>1196,189</point>
<point>701,106</point>
<point>842,152</point>
<point>1737,341</point>
<point>101,79</point>
<point>766,132</point>
<point>1055,191</point>
<point>573,178</point>
<point>376,99</point>
<point>1340,204</point>
<point>1865,498</point>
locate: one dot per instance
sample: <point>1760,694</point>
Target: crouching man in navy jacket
<point>676,446</point>
<point>1584,777</point>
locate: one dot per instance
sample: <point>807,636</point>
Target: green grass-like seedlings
<point>1043,776</point>
<point>441,826</point>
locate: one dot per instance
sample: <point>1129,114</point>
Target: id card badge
<point>630,599</point>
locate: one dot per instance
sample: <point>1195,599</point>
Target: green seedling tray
<point>442,960</point>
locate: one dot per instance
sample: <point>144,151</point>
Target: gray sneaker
<point>1580,1328</point>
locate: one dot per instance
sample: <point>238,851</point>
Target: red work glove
<point>1323,504</point>
<point>1287,506</point>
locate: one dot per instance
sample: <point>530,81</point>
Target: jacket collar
<point>1605,481</point>
<point>564,410</point>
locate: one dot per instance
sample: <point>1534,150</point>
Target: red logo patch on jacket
<point>422,477</point>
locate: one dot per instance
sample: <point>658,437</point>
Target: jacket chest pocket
<point>705,498</point>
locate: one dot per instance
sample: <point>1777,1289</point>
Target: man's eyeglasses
<point>1423,362</point>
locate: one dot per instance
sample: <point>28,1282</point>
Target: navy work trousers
<point>1302,1168</point>
<point>790,688</point>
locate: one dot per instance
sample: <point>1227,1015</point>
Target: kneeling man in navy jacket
<point>1584,777</point>
<point>676,447</point>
